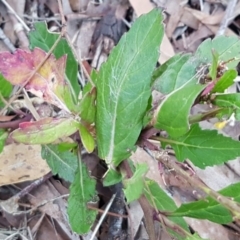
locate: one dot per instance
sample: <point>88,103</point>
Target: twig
<point>41,204</point>
<point>143,202</point>
<point>62,14</point>
<point>10,206</point>
<point>29,233</point>
<point>18,25</point>
<point>47,19</point>
<point>148,215</point>
<point>6,41</point>
<point>70,44</point>
<point>204,116</point>
<point>15,123</point>
<point>18,29</point>
<point>15,14</point>
<point>201,4</point>
<point>231,205</point>
<point>80,62</point>
<point>33,185</point>
<point>13,235</point>
<point>103,216</point>
<point>130,222</point>
<point>109,213</point>
<point>18,111</point>
<point>227,17</point>
<point>30,105</point>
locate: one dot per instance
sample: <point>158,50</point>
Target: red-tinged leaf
<point>17,67</point>
<point>45,130</point>
<point>33,125</point>
<point>48,82</point>
<point>51,72</point>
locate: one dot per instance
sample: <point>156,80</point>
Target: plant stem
<point>203,116</point>
<point>166,223</point>
<point>148,211</point>
<point>232,206</point>
<point>175,227</point>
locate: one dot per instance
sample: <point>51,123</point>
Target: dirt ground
<point>33,204</point>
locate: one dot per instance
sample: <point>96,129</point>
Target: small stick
<point>201,4</point>
<point>18,27</point>
<point>6,41</point>
<point>109,213</point>
<point>33,185</point>
<point>15,14</point>
<point>103,216</point>
<point>61,13</point>
<point>231,205</point>
<point>15,123</point>
<point>227,17</point>
<point>70,44</point>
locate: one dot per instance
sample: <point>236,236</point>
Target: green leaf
<point>227,100</point>
<point>3,137</point>
<point>44,39</point>
<point>112,177</point>
<point>124,87</point>
<point>159,199</point>
<point>172,74</point>
<point>205,209</point>
<point>134,186</point>
<point>209,208</point>
<point>232,191</point>
<point>226,80</point>
<point>44,131</point>
<point>174,110</point>
<point>237,115</point>
<point>62,163</point>
<point>224,113</point>
<point>64,94</point>
<point>94,76</point>
<point>213,67</point>
<point>195,237</point>
<point>66,146</point>
<point>231,101</point>
<point>82,191</point>
<point>5,89</point>
<point>226,47</point>
<point>87,104</point>
<point>204,147</point>
<point>86,138</point>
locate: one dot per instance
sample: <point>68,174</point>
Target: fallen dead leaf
<point>191,42</point>
<point>207,229</point>
<point>20,163</point>
<point>175,10</point>
<point>214,19</point>
<point>189,19</point>
<point>206,18</point>
<point>56,210</point>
